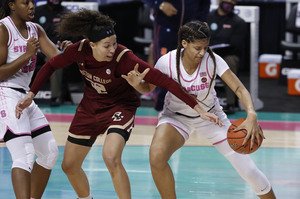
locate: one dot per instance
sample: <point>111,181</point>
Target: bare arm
<point>250,124</point>
<point>9,69</point>
<point>46,45</point>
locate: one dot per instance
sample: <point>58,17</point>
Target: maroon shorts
<point>89,125</point>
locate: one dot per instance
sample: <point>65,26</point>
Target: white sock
<point>88,197</point>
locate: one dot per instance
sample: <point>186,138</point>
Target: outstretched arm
<point>135,79</point>
<point>250,124</point>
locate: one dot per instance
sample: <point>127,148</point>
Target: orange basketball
<point>236,138</point>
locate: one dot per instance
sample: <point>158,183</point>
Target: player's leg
<point>45,148</point>
<point>47,153</point>
<point>165,142</point>
<point>75,152</point>
<point>22,154</point>
<point>112,151</point>
<point>247,170</point>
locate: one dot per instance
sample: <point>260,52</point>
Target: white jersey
<point>196,84</point>
<point>17,46</point>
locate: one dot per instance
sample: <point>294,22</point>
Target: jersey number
<point>98,87</point>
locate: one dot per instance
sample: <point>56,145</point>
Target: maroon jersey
<point>104,87</point>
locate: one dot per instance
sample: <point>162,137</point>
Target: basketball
<point>236,138</point>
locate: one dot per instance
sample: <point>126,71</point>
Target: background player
<point>19,42</point>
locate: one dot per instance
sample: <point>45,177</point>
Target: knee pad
<point>25,159</point>
<point>47,157</point>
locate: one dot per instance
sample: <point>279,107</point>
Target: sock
<point>88,197</point>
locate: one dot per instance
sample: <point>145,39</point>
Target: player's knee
<point>263,190</point>
<point>111,161</point>
<point>49,158</point>
<point>157,158</point>
<point>24,161</point>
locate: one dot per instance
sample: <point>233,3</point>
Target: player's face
<point>195,50</point>
<point>104,49</point>
<point>23,9</point>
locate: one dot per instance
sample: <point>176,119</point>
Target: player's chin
<point>109,59</point>
<point>199,59</point>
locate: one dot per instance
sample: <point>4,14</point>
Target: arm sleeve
<point>59,61</point>
<point>155,77</point>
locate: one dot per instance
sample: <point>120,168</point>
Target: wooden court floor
<point>199,170</point>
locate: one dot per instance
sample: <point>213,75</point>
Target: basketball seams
<point>236,138</point>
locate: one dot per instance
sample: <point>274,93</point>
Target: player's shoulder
<point>120,48</point>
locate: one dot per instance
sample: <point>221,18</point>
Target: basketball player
<point>109,103</point>
<point>194,66</point>
<point>31,135</point>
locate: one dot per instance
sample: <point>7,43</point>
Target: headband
<point>101,34</point>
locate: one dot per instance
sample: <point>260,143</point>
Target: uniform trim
<point>125,134</point>
<point>87,137</point>
<point>122,126</point>
<point>40,131</point>
<point>121,54</point>
<point>10,135</point>
<point>82,142</point>
<point>81,44</point>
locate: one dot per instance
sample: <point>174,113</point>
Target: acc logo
<point>297,85</point>
<point>271,69</point>
<point>117,116</point>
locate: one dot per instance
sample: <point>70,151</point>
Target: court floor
<point>200,171</point>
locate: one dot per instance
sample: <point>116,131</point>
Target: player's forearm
<point>199,110</point>
<point>247,103</point>
<point>144,87</point>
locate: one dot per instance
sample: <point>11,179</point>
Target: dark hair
<point>83,23</point>
<point>190,32</point>
<point>5,9</point>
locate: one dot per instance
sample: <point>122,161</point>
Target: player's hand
<point>253,131</point>
<point>134,77</point>
<point>23,103</point>
<point>32,46</point>
<point>64,45</point>
<point>168,9</point>
<point>212,118</point>
<point>208,116</point>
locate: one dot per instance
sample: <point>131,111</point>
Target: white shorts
<point>186,126</point>
<point>32,118</point>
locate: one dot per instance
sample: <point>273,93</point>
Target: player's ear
<point>184,43</point>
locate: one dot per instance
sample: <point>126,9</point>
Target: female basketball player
<point>19,42</point>
<point>194,66</point>
<point>109,103</point>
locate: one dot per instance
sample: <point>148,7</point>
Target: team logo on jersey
<point>204,79</point>
<point>108,71</point>
<point>117,116</point>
